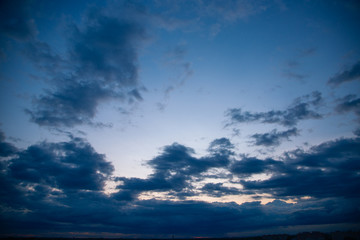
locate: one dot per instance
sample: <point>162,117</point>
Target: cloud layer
<point>61,187</point>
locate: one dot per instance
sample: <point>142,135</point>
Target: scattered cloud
<point>351,74</point>
<point>274,137</point>
<point>299,110</point>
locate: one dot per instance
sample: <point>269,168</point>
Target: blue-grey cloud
<point>65,165</point>
<point>248,166</point>
<point>16,21</point>
<point>100,65</point>
<point>218,190</point>
<point>175,59</point>
<point>58,188</point>
<point>301,109</point>
<point>327,170</point>
<point>351,74</point>
<point>349,103</point>
<point>273,138</point>
<point>6,149</point>
<point>174,168</point>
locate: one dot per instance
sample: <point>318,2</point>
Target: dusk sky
<point>202,118</point>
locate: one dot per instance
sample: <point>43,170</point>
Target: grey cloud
<point>16,21</point>
<point>248,166</point>
<point>101,66</point>
<point>351,74</point>
<point>69,105</point>
<point>299,110</point>
<point>274,137</point>
<point>327,170</point>
<point>232,10</point>
<point>291,70</point>
<point>221,146</point>
<point>297,76</point>
<point>6,149</point>
<point>58,188</point>
<point>175,59</point>
<point>349,103</point>
<point>174,168</point>
<point>66,165</point>
<point>218,190</point>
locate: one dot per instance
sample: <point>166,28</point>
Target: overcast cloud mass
<point>186,118</point>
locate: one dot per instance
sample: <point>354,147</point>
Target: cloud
<point>69,105</point>
<point>327,170</point>
<point>291,69</point>
<point>218,190</point>
<point>16,21</point>
<point>351,74</point>
<point>70,165</point>
<point>299,110</point>
<point>274,137</point>
<point>101,65</point>
<point>55,189</point>
<point>174,169</point>
<point>175,59</point>
<point>248,166</point>
<point>6,149</point>
<point>349,103</point>
<point>232,11</point>
<point>200,14</point>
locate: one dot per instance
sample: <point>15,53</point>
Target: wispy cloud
<point>349,103</point>
<point>351,74</point>
<point>301,109</point>
<point>274,137</point>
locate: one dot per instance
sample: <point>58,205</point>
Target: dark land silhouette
<point>338,235</point>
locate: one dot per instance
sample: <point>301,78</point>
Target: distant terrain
<point>338,235</point>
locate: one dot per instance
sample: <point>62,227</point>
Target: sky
<point>159,118</point>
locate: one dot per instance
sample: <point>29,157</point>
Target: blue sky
<point>193,118</point>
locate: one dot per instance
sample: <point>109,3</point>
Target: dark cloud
<point>69,105</point>
<point>221,146</point>
<point>274,137</point>
<point>175,168</point>
<point>349,103</point>
<point>65,165</point>
<point>299,110</point>
<point>54,189</point>
<point>16,21</point>
<point>248,166</point>
<point>351,74</point>
<point>101,65</point>
<point>218,190</point>
<point>6,149</point>
<point>327,170</point>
